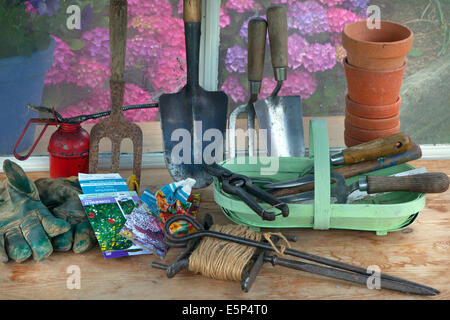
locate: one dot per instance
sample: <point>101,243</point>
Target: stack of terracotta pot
<point>374,67</point>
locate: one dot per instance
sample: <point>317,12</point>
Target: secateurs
<point>242,186</point>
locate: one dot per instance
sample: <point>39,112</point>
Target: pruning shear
<point>243,187</point>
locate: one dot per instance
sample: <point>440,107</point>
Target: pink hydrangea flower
<point>331,3</point>
<point>86,73</point>
<point>319,57</point>
<point>62,61</point>
<point>240,5</point>
<point>338,18</point>
<point>236,59</point>
<point>289,2</point>
<point>96,45</point>
<point>100,101</point>
<point>232,87</point>
<point>168,76</point>
<point>225,19</point>
<point>298,83</point>
<point>149,8</point>
<point>297,49</point>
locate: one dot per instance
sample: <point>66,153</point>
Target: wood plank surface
<point>419,253</point>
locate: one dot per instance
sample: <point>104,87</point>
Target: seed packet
<point>144,229</point>
<point>107,213</point>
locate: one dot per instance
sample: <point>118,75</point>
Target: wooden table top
<point>419,253</point>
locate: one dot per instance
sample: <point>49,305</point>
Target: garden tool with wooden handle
<point>257,35</point>
<point>281,116</point>
<point>432,182</point>
<point>117,127</point>
<point>193,115</point>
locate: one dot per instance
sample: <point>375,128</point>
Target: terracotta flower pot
<point>368,134</point>
<point>377,49</point>
<point>350,142</point>
<point>372,112</point>
<point>372,124</point>
<point>374,87</point>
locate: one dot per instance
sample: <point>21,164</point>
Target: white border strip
<point>156,160</point>
<point>209,45</point>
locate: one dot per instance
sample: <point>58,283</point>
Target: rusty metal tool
<point>431,182</point>
<point>247,282</point>
<point>352,273</point>
<point>116,127</point>
<point>280,116</point>
<point>257,35</point>
<point>193,112</point>
<point>306,183</point>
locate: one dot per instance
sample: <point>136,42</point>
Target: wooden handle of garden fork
<point>432,182</point>
<point>394,144</point>
<point>278,35</point>
<point>117,37</point>
<point>257,35</point>
<point>192,10</point>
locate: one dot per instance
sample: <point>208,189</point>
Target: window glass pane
<point>78,80</point>
<point>316,71</point>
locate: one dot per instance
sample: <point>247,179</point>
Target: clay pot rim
<point>348,65</point>
<point>349,100</point>
<point>376,43</point>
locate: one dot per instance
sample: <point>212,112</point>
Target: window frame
<point>208,77</point>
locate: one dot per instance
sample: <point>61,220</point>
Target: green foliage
<point>21,32</point>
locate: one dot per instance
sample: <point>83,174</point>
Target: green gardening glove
<point>25,223</point>
<point>61,198</point>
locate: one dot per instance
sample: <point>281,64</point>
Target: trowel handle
<point>278,35</point>
<point>257,35</point>
<point>117,37</point>
<point>192,10</point>
<point>432,182</point>
<point>391,145</point>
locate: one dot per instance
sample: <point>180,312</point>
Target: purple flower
<point>308,17</point>
<point>240,5</point>
<point>86,17</point>
<point>319,57</point>
<point>297,49</point>
<point>232,87</point>
<point>331,3</point>
<point>86,73</point>
<point>48,7</point>
<point>236,59</point>
<point>358,6</point>
<point>96,45</point>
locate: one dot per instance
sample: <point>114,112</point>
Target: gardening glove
<point>61,198</point>
<point>25,223</point>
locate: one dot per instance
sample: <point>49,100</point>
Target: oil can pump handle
<point>47,123</point>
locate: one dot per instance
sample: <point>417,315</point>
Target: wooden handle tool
<point>387,146</point>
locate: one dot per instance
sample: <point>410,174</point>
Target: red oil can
<point>69,151</point>
<point>68,148</point>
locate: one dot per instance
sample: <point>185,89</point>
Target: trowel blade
<point>282,118</point>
